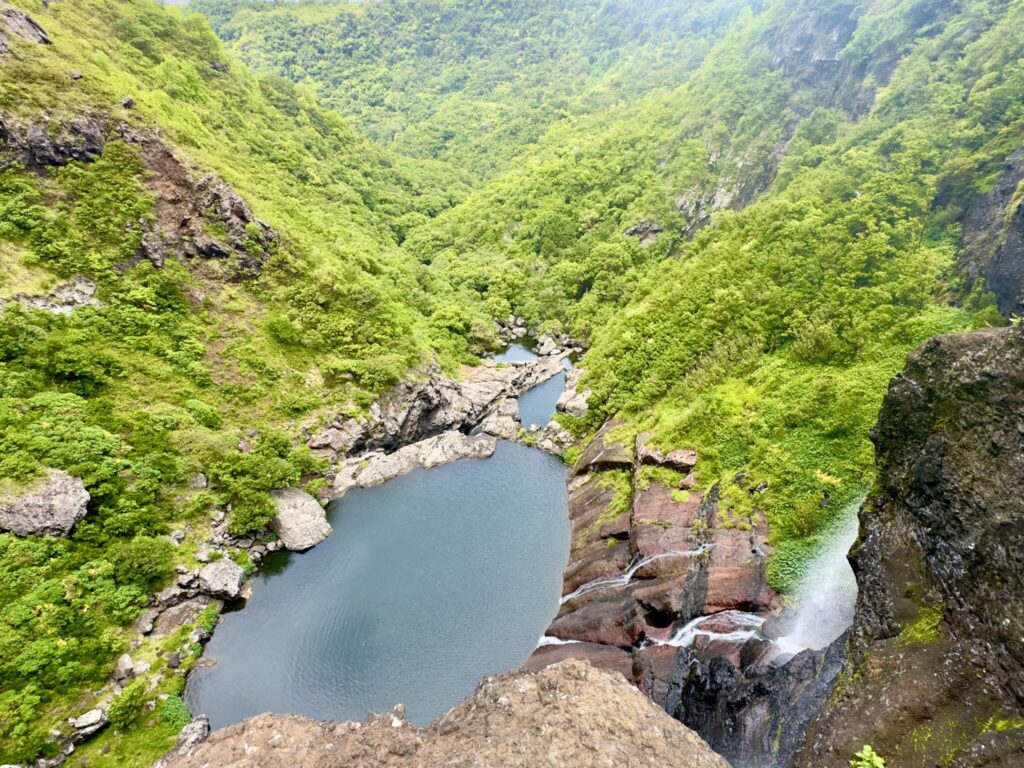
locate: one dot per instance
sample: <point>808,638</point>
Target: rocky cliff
<point>567,715</point>
<point>665,588</point>
<point>936,673</point>
<point>993,237</point>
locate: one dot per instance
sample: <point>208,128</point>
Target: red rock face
<point>635,578</point>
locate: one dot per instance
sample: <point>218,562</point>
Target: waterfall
<point>627,576</point>
<point>827,594</point>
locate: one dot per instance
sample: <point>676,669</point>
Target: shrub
<point>867,758</point>
<point>126,708</point>
<point>174,711</point>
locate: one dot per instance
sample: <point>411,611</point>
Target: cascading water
<point>746,626</point>
<point>626,576</point>
<point>827,595</point>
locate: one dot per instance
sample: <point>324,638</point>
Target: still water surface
<point>428,583</point>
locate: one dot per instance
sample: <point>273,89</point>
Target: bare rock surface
<point>375,469</point>
<point>222,579</point>
<point>503,421</point>
<point>301,522</point>
<point>51,508</point>
<point>569,714</point>
<point>432,404</point>
<point>63,299</point>
<point>21,24</point>
<point>573,400</point>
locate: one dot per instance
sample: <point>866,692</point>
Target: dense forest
<point>750,212</point>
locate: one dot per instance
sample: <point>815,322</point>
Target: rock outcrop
<point>567,715</point>
<point>369,470</point>
<point>62,300</point>
<point>666,588</point>
<point>301,523</point>
<point>222,579</point>
<point>186,201</point>
<point>936,671</point>
<point>503,421</point>
<point>993,237</point>
<point>574,401</point>
<point>21,24</point>
<point>52,507</point>
<point>424,407</point>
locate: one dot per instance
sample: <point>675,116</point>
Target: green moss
<point>925,628</point>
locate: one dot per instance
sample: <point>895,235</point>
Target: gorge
<point>290,290</point>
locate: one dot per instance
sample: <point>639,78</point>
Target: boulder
<point>51,507</point>
<point>573,401</point>
<point>546,346</point>
<point>124,669</point>
<point>680,460</point>
<point>222,579</point>
<point>301,523</point>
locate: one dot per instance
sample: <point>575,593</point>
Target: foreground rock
<point>301,522</point>
<point>569,714</point>
<point>51,507</point>
<point>937,667</point>
<point>375,469</point>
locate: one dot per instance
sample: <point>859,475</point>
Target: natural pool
<point>429,583</point>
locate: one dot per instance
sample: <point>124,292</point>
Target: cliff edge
<point>569,714</point>
<point>936,673</point>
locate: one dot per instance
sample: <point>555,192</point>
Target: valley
<point>352,354</point>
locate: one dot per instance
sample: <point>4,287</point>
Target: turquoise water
<point>429,583</point>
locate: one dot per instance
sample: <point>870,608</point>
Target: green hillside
<point>470,82</point>
<point>793,176</point>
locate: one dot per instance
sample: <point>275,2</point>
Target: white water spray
<point>827,595</point>
<point>746,626</point>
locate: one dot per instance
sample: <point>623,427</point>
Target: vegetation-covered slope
<point>471,82</point>
<point>766,340</point>
<point>201,334</point>
<point>798,172</point>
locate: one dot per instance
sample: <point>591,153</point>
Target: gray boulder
<point>125,668</point>
<point>51,508</point>
<point>301,522</point>
<point>22,25</point>
<point>222,579</point>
